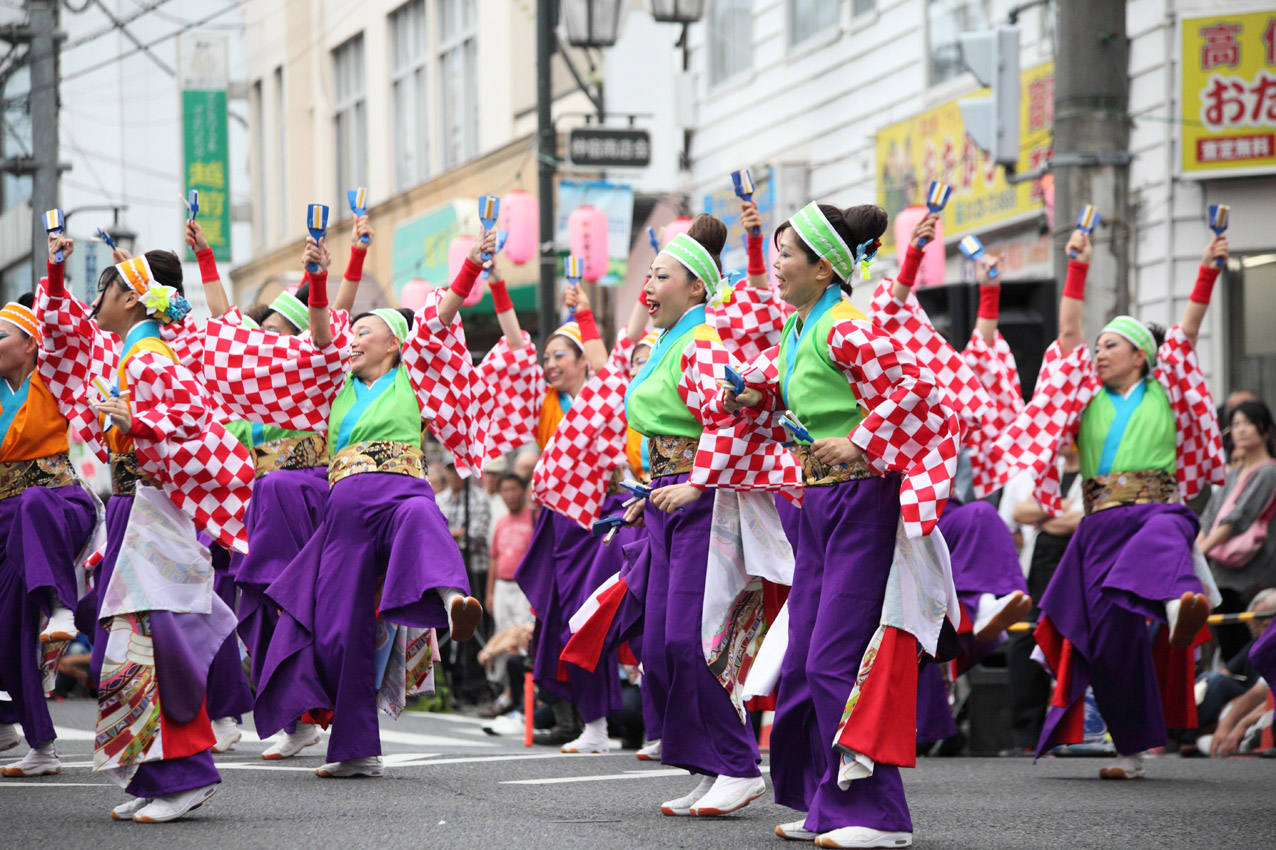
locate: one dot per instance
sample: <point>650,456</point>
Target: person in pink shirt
<point>510,539</point>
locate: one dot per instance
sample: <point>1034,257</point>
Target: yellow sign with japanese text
<point>1228,93</point>
<point>934,146</point>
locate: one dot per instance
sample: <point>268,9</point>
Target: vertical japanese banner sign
<point>203,78</point>
<point>1228,92</point>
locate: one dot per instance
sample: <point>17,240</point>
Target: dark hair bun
<point>864,223</point>
<point>167,269</point>
<point>710,233</point>
<point>407,314</point>
<point>27,299</point>
<point>303,293</point>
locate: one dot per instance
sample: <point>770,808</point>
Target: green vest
<point>652,404</point>
<point>252,434</point>
<point>387,410</point>
<point>1128,435</point>
<point>815,389</point>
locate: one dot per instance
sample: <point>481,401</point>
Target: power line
<point>110,28</point>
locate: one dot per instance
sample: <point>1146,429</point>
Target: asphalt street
<point>449,785</point>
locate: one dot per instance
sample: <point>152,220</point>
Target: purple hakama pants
<point>380,531</point>
<point>41,532</point>
<point>846,544</point>
<point>228,692</point>
<point>1119,568</point>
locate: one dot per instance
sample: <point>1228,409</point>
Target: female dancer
<point>1147,436</point>
<point>171,464</point>
<point>874,416</point>
<point>381,570</point>
<point>46,521</point>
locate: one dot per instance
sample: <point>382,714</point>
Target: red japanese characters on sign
<point>1220,47</point>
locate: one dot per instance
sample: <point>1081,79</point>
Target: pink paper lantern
<point>681,224</point>
<point>457,251</point>
<point>931,271</point>
<point>520,215</point>
<point>587,234</point>
<point>414,293</point>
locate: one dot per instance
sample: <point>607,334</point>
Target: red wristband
<point>465,278</point>
<point>1074,286</point>
<point>989,302</point>
<point>57,279</point>
<point>319,289</point>
<point>757,262</point>
<point>1205,279</point>
<point>207,265</point>
<point>500,296</point>
<point>354,268</point>
<point>588,328</point>
<point>912,262</point>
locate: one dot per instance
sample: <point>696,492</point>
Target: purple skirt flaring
<point>563,565</point>
<point>41,532</point>
<point>843,559</point>
<point>228,692</point>
<point>1263,654</point>
<point>286,508</point>
<point>380,531</point>
<point>709,737</point>
<point>983,552</point>
<point>1118,569</point>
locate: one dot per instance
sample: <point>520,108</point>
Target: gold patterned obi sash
<point>126,472</point>
<point>377,456</point>
<point>1129,488</point>
<point>52,472</point>
<point>817,473</point>
<point>291,453</point>
<point>671,455</point>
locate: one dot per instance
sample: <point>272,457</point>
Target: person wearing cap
<point>46,521</point>
<point>175,473</point>
<point>871,587</point>
<point>359,603</point>
<point>1148,439</point>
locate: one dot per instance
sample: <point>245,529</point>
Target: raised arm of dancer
<point>1199,301</point>
<point>354,269</point>
<point>504,307</point>
<point>595,350</point>
<point>989,299</point>
<point>214,292</point>
<point>1071,334</point>
<point>320,324</point>
<point>450,303</point>
<point>903,284</point>
<point>749,219</point>
<point>637,326</point>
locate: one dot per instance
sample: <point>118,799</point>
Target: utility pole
<point>1091,159</point>
<point>42,17</point>
<point>547,166</point>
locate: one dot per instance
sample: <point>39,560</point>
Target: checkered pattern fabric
<point>908,323</point>
<point>446,382</point>
<point>73,351</point>
<point>510,388</point>
<point>736,452</point>
<point>1066,385</point>
<point>186,339</point>
<point>204,470</point>
<point>909,429</point>
<point>994,365</point>
<point>751,322</point>
<point>573,472</point>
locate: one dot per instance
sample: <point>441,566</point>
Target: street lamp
<point>677,11</point>
<point>592,23</point>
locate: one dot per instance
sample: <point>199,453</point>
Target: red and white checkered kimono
<point>510,388</point>
<point>751,322</point>
<point>1067,383</point>
<point>575,469</point>
<point>204,471</point>
<point>288,382</point>
<point>997,371</point>
<point>908,429</point>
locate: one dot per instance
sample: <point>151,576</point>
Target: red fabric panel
<point>186,739</point>
<point>884,723</point>
<point>586,646</point>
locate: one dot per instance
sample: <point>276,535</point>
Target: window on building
<point>281,154</point>
<point>730,38</point>
<point>351,114</point>
<point>945,21</point>
<point>862,7</point>
<point>409,60</point>
<point>808,18</point>
<point>458,81</point>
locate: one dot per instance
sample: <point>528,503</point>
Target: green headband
<point>1136,332</point>
<point>248,322</point>
<point>290,307</point>
<point>820,237</point>
<point>395,321</point>
<point>697,260</point>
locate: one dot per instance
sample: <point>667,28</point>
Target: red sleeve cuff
<point>757,261</point>
<point>1206,277</point>
<point>57,279</point>
<point>465,278</point>
<point>501,301</point>
<point>318,289</point>
<point>1074,286</point>
<point>207,265</point>
<point>989,302</point>
<point>354,268</point>
<point>912,262</point>
<point>588,327</point>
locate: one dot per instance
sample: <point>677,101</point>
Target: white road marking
<point>11,784</point>
<point>605,777</point>
<point>65,733</point>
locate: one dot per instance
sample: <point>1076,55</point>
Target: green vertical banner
<point>206,155</point>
